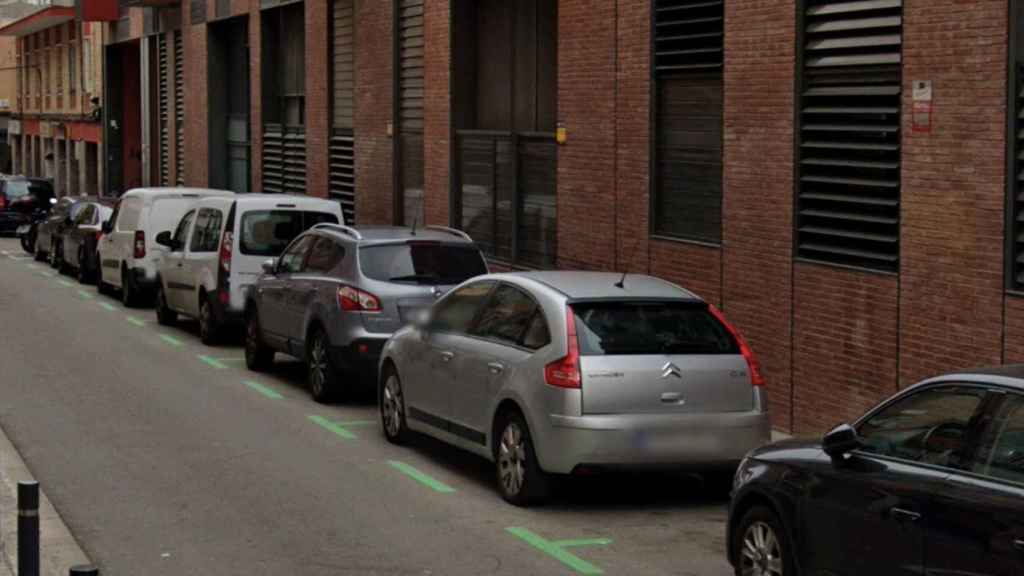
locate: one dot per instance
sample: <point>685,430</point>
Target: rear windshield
<point>427,263</point>
<point>268,232</point>
<point>18,188</point>
<point>632,328</point>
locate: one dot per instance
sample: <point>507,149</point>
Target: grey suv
<point>338,293</point>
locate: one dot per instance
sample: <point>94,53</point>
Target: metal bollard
<point>84,571</point>
<point>28,528</point>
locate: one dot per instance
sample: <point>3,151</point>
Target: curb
<point>59,550</point>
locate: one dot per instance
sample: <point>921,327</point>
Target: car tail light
<point>99,235</point>
<point>226,243</point>
<point>3,201</point>
<point>355,300</point>
<point>565,372</point>
<point>140,244</point>
<point>756,377</point>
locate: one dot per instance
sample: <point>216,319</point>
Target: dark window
<point>930,426</point>
<point>284,94</point>
<point>85,214</point>
<point>848,161</point>
<point>537,333</point>
<point>206,233</point>
<point>1000,452</point>
<point>409,85</point>
<point>19,188</point>
<point>688,59</point>
<point>324,256</point>
<point>425,263</point>
<point>342,144</point>
<point>458,310</point>
<point>507,315</point>
<point>504,109</point>
<point>293,257</point>
<point>1015,145</point>
<point>181,232</point>
<point>635,328</point>
<point>267,232</point>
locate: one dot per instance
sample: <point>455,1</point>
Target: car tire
<point>101,286</point>
<point>718,483</point>
<point>28,243</point>
<point>392,408</point>
<point>62,262</point>
<point>321,375</point>
<point>54,256</point>
<point>129,293</point>
<point>209,332</point>
<point>521,480</point>
<point>258,356</point>
<point>40,255</point>
<point>769,551</point>
<point>164,315</point>
<point>82,272</point>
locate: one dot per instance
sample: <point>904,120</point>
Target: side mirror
<point>269,265</point>
<point>107,227</point>
<point>164,239</point>
<point>840,441</point>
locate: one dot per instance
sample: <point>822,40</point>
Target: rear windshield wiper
<point>415,278</point>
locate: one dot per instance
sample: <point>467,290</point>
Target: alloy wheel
<point>761,554</point>
<point>318,366</point>
<point>391,407</point>
<point>512,458</point>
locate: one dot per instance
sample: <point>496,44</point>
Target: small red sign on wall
<point>98,10</point>
<point>922,117</point>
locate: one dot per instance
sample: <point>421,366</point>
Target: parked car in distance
<point>48,231</point>
<point>128,252</point>
<point>930,481</point>
<point>217,251</point>
<point>338,293</point>
<point>20,197</point>
<point>78,242</point>
<point>562,372</point>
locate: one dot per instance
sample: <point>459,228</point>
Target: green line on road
<point>108,306</point>
<point>212,362</point>
<point>422,478</point>
<point>171,340</point>
<point>135,321</point>
<point>230,358</point>
<point>85,294</point>
<point>327,424</point>
<point>265,390</point>
<point>65,283</point>
<point>556,549</point>
<point>357,423</point>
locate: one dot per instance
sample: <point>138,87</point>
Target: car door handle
<point>495,368</point>
<point>671,397</point>
<point>901,515</point>
<point>447,356</point>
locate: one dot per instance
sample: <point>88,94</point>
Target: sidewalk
<point>58,549</point>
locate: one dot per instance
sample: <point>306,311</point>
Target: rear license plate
<point>23,229</point>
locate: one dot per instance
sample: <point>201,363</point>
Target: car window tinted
<point>18,188</point>
<point>931,426</point>
<point>456,312</point>
<point>506,316</point>
<point>537,333</point>
<point>1000,453</point>
<point>206,233</point>
<point>291,260</point>
<point>267,232</point>
<point>128,214</point>
<point>85,214</point>
<point>632,328</point>
<point>426,263</point>
<point>182,230</point>
<point>324,256</point>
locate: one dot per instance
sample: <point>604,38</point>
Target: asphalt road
<point>166,463</point>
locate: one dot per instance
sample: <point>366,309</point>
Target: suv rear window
<point>634,328</point>
<point>268,232</point>
<point>428,263</point>
<point>18,188</point>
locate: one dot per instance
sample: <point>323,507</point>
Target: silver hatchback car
<point>561,372</point>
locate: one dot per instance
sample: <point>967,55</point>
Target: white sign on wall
<point>5,103</point>
<point>14,126</point>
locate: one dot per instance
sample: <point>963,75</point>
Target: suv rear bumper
<point>692,441</point>
<point>360,356</point>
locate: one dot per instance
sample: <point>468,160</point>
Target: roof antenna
<point>622,281</point>
<point>621,284</point>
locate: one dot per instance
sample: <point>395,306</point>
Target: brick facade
<point>374,101</point>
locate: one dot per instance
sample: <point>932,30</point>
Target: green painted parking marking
<point>48,274</point>
<point>108,306</point>
<point>556,549</point>
<point>65,283</point>
<point>265,390</point>
<point>172,340</point>
<point>212,362</point>
<point>327,424</point>
<point>85,295</point>
<point>230,358</point>
<point>422,478</point>
<point>135,321</point>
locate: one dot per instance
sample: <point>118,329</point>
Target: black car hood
<point>794,449</point>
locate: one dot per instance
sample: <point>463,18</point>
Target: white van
<point>217,251</point>
<point>128,252</point>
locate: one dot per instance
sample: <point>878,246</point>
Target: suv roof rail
<point>451,231</point>
<point>339,228</point>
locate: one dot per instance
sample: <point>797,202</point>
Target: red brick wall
<point>696,268</point>
<point>374,100</point>
<point>437,111</point>
<point>1013,350</point>
<point>586,164</point>
<point>844,345</point>
<point>318,121</point>
<point>196,157</point>
<point>951,283</point>
<point>760,50</point>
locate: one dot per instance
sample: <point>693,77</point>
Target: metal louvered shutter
<point>342,145</point>
<point>284,159</point>
<point>848,198</point>
<point>688,57</point>
<point>1016,227</point>
<point>164,102</point>
<point>179,110</point>
<point>410,109</point>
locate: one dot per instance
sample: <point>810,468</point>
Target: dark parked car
<point>49,230</point>
<point>78,241</point>
<point>20,197</point>
<point>929,482</point>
